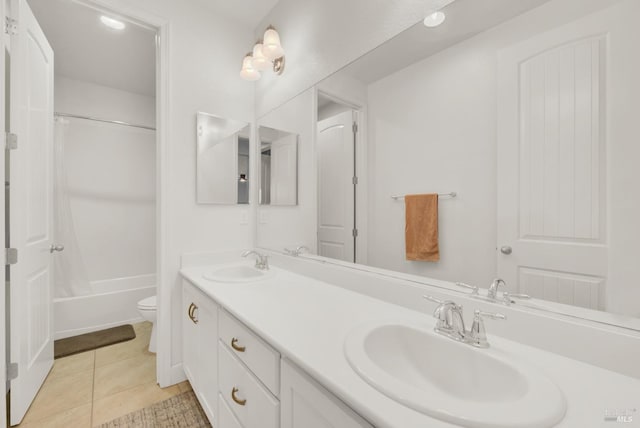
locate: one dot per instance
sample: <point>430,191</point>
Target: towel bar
<point>440,195</point>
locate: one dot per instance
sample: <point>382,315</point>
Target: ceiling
<point>87,50</point>
<point>465,18</point>
<point>245,12</point>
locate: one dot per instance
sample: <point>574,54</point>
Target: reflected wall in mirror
<point>278,167</point>
<point>525,110</point>
<point>222,160</point>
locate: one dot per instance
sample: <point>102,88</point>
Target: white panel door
<point>552,240</point>
<point>336,204</point>
<point>284,171</point>
<point>31,214</point>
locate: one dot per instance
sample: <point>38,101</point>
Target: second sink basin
<point>453,381</point>
<point>238,273</point>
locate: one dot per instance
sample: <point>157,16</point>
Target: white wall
<point>111,177</point>
<point>205,53</point>
<point>432,128</point>
<point>290,226</point>
<point>89,99</point>
<point>322,36</point>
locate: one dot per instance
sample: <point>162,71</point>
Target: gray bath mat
<point>89,341</point>
<point>181,411</point>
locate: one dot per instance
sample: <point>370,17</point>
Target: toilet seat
<point>147,304</point>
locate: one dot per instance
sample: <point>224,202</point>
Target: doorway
<point>95,178</point>
<point>338,147</point>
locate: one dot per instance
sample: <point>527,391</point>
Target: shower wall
<point>111,177</point>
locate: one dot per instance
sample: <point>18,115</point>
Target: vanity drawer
<point>261,358</point>
<point>226,418</point>
<point>249,400</point>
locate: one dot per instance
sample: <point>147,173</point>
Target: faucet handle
<point>473,288</point>
<point>506,296</point>
<point>433,299</point>
<point>478,334</point>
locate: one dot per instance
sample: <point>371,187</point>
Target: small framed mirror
<point>222,160</point>
<point>278,167</point>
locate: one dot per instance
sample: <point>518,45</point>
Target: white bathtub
<point>112,303</point>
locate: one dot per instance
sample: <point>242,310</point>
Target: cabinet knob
<point>236,399</point>
<point>234,345</point>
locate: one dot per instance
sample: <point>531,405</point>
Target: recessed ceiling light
<point>434,19</point>
<point>112,23</point>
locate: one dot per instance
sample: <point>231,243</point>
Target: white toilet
<point>148,309</point>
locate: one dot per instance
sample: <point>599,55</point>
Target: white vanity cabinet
<point>200,347</point>
<point>242,382</point>
<point>306,404</point>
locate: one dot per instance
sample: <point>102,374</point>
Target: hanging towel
<point>421,227</point>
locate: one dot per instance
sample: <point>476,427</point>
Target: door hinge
<point>355,128</point>
<point>12,371</point>
<point>355,180</point>
<point>10,26</point>
<point>10,141</point>
<point>10,256</point>
<point>355,233</point>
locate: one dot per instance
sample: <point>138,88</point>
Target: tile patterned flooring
<point>88,389</point>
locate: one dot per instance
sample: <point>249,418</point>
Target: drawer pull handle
<point>234,345</point>
<point>191,312</point>
<point>236,399</point>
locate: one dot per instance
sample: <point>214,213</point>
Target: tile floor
<point>88,389</point>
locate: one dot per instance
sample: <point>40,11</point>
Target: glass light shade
<point>271,47</point>
<point>260,62</point>
<point>434,19</point>
<point>248,72</point>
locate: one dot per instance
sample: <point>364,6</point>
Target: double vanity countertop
<point>308,320</point>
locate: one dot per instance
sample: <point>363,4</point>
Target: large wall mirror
<point>519,117</point>
<point>222,160</point>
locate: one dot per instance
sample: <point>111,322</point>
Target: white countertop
<point>307,321</point>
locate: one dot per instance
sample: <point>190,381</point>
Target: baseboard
<point>175,376</point>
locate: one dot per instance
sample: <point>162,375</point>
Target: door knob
<point>506,250</point>
<point>53,248</point>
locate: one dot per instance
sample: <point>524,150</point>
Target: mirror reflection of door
<point>278,167</point>
<point>337,229</point>
<point>551,156</point>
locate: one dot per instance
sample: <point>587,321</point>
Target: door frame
<point>166,374</point>
<point>361,153</point>
<point>3,301</point>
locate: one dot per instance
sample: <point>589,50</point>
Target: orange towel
<point>421,227</point>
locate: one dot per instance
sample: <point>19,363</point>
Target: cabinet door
<point>305,404</point>
<point>206,316</point>
<point>189,335</point>
<point>200,347</point>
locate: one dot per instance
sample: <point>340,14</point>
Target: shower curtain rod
<point>116,122</point>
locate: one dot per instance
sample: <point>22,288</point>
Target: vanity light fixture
<point>267,53</point>
<point>114,24</point>
<point>248,72</point>
<point>434,19</point>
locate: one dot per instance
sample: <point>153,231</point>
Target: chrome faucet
<point>451,323</point>
<point>492,293</point>
<point>262,261</point>
<point>299,250</point>
<point>493,288</point>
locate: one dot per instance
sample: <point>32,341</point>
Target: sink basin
<point>453,381</point>
<point>238,273</point>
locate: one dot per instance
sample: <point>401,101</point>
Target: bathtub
<point>113,302</point>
